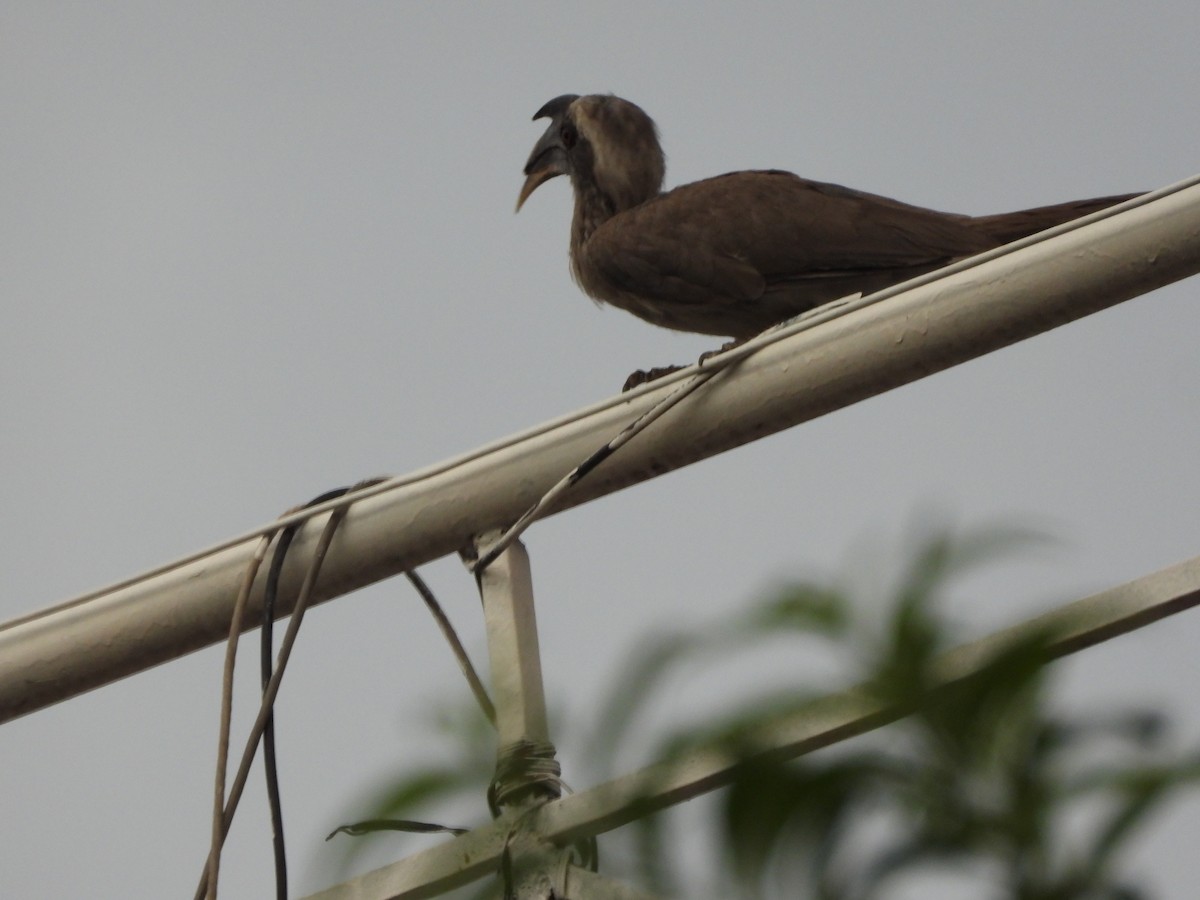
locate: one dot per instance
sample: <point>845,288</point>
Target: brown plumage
<point>735,254</point>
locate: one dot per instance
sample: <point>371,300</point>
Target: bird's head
<point>607,145</point>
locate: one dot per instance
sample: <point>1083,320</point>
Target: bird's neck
<point>593,207</point>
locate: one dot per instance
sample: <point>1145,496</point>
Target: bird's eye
<point>568,136</point>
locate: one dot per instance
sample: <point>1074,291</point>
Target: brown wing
<point>1007,227</point>
<point>766,238</point>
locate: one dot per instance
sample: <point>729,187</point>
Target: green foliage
<point>978,778</point>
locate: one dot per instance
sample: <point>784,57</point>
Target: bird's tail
<point>1006,227</point>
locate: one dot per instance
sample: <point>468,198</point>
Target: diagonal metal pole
<point>822,362</point>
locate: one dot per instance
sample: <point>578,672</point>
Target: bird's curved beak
<point>548,159</point>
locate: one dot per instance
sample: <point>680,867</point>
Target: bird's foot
<point>645,376</point>
<point>728,345</point>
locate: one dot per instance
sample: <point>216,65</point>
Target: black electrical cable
<point>303,600</point>
<point>267,664</point>
<point>264,726</point>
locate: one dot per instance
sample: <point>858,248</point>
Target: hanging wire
<point>708,366</point>
<point>460,653</point>
<point>272,673</point>
<point>572,478</point>
<point>235,630</point>
<point>267,667</point>
<point>266,670</point>
<point>269,695</point>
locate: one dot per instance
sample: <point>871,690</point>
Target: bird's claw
<point>728,345</point>
<point>645,376</point>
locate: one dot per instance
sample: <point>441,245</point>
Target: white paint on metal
<point>508,613</point>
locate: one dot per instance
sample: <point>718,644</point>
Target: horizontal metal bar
<point>836,717</point>
<point>802,372</point>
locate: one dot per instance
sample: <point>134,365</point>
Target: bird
<point>736,254</point>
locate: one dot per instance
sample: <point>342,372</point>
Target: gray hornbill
<point>735,254</point>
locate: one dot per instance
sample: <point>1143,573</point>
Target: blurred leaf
<point>941,556</point>
<point>803,607</point>
<point>980,775</point>
<point>807,807</point>
<point>1143,789</point>
<point>799,607</point>
<point>1141,728</point>
<point>410,825</point>
<point>647,665</point>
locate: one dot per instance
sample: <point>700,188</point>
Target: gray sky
<point>253,251</point>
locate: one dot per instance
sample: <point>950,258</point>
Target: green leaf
<point>804,607</point>
<point>410,825</point>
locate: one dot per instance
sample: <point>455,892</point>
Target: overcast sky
<point>253,251</point>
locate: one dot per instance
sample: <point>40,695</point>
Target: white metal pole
<point>506,588</point>
<point>1001,297</point>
